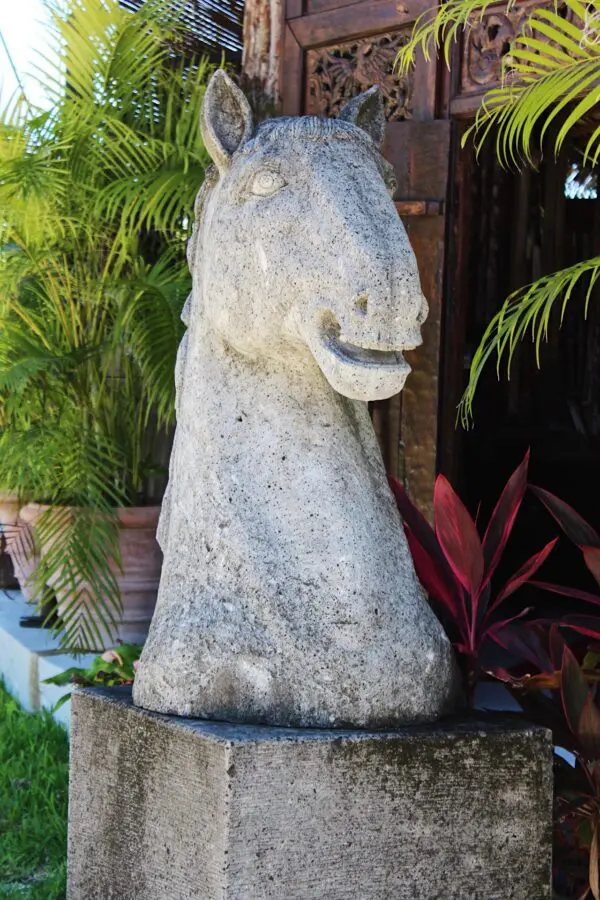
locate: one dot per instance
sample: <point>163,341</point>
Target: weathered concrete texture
<point>173,809</point>
<point>288,594</point>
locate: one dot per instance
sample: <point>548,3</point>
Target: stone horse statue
<point>288,594</point>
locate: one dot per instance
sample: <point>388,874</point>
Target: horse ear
<point>226,119</point>
<point>367,112</point>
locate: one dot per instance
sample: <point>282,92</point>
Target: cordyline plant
<point>583,536</point>
<point>561,694</point>
<point>455,566</point>
<point>587,539</point>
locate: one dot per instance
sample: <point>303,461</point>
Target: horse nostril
<point>423,312</point>
<point>361,305</point>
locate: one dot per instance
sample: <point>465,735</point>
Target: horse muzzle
<point>361,364</point>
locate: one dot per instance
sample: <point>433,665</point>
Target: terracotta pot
<point>9,509</point>
<point>20,544</point>
<point>141,560</point>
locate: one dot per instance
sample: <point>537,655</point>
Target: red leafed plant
<point>562,695</point>
<point>577,795</point>
<point>588,540</point>
<point>455,566</point>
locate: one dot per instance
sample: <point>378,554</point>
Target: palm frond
<point>152,319</point>
<point>527,312</point>
<point>550,82</point>
<point>440,27</point>
<point>551,74</point>
<point>97,202</point>
<point>543,88</point>
<point>80,557</point>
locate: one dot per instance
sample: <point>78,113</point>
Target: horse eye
<point>266,183</point>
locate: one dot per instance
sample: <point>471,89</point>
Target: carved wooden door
<point>333,50</point>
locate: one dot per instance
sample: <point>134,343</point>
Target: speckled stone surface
<point>174,809</point>
<point>288,594</point>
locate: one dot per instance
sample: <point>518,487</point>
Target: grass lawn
<point>34,753</point>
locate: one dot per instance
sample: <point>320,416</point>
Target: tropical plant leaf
<point>591,556</point>
<point>458,537</point>
<point>450,563</point>
<point>586,625</point>
<point>526,312</point>
<point>528,644</point>
<point>565,591</point>
<point>574,690</point>
<point>439,27</point>
<point>61,702</point>
<point>151,313</point>
<point>503,517</point>
<point>588,728</point>
<point>80,553</point>
<point>97,196</point>
<point>548,87</point>
<point>573,525</point>
<point>422,531</point>
<point>527,570</point>
<point>433,580</point>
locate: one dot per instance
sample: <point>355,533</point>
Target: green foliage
<point>34,772</point>
<point>97,196</point>
<point>527,312</point>
<point>551,69</point>
<point>116,666</point>
<point>548,87</point>
<point>440,27</point>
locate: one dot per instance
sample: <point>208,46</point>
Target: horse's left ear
<point>226,119</point>
<point>367,112</point>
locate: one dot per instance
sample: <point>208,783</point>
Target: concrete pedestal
<point>163,808</point>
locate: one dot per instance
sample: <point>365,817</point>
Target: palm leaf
<point>526,313</point>
<point>550,82</point>
<point>80,549</point>
<point>550,70</point>
<point>97,202</point>
<point>152,319</point>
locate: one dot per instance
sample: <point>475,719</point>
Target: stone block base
<point>163,808</point>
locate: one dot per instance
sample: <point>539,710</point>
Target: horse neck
<point>271,403</point>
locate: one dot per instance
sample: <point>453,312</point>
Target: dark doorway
<point>509,229</point>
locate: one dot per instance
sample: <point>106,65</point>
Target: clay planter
<point>9,509</point>
<point>141,558</point>
<point>20,544</point>
<point>138,581</point>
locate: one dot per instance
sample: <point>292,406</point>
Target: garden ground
<point>34,767</point>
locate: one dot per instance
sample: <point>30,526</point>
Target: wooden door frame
<point>337,23</point>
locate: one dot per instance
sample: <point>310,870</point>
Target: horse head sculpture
<point>288,595</point>
<point>306,245</point>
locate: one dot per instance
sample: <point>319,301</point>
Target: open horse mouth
<point>365,370</point>
<point>365,353</point>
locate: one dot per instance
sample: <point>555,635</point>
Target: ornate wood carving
<point>339,72</point>
<point>489,40</point>
<point>487,43</point>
